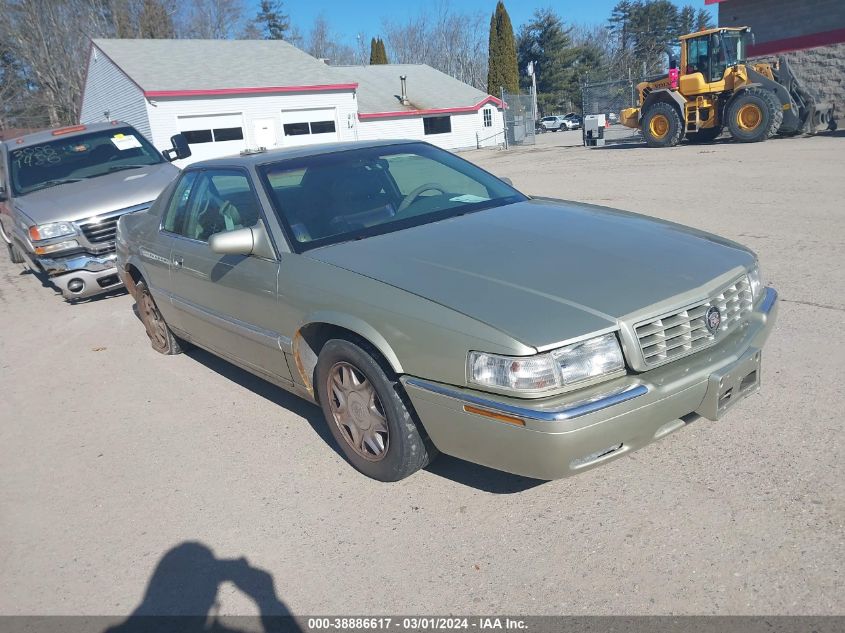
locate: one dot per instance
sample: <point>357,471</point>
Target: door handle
<point>177,262</point>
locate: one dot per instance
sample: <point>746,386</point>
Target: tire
<point>161,338</point>
<point>15,255</point>
<point>754,115</point>
<point>704,135</point>
<point>662,126</point>
<point>368,414</point>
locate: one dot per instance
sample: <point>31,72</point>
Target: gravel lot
<point>111,456</point>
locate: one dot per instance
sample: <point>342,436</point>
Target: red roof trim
<point>247,91</point>
<point>825,38</point>
<point>399,113</point>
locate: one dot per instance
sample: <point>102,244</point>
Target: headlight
<point>755,280</point>
<point>562,367</point>
<point>51,230</point>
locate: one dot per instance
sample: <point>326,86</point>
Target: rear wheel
<point>704,135</point>
<point>661,125</point>
<point>367,413</point>
<point>161,338</point>
<point>754,115</point>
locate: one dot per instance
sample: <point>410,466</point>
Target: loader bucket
<point>630,117</point>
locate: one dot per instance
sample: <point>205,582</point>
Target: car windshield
<point>78,157</point>
<point>353,194</point>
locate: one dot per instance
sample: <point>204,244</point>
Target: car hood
<point>80,200</point>
<point>543,271</point>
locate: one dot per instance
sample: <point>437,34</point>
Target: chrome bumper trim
<point>567,413</point>
<point>769,300</point>
<point>91,263</point>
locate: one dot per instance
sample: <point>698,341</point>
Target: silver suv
<point>62,192</point>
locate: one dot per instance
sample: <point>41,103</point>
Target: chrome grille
<point>100,230</point>
<point>680,333</point>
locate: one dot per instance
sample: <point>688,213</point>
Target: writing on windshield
<point>79,157</point>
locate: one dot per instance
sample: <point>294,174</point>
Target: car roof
<point>261,157</point>
<point>45,136</point>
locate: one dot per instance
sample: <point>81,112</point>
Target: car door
<point>226,303</point>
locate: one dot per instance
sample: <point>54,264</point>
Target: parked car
<point>428,306</point>
<point>554,123</point>
<point>573,121</point>
<point>62,192</point>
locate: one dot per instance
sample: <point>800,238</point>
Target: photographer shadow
<point>182,596</point>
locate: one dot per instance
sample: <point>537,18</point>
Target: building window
<point>315,127</point>
<point>437,125</point>
<point>488,117</point>
<point>322,127</point>
<point>296,129</point>
<point>195,137</point>
<point>198,136</point>
<point>228,134</point>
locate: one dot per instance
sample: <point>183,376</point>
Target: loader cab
<point>706,56</point>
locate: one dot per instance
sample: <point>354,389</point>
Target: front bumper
<point>96,273</point>
<point>563,435</point>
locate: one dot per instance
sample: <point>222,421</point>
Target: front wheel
<point>754,115</point>
<point>15,255</point>
<point>367,414</point>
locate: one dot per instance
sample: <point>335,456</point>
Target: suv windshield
<point>78,157</point>
<point>329,198</point>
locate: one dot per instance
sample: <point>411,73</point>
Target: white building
<point>229,95</point>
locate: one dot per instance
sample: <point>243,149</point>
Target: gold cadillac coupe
<point>427,306</point>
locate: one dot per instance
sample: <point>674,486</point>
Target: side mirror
<point>249,241</point>
<point>180,148</point>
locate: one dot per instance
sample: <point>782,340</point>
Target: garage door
<point>306,127</point>
<point>212,136</point>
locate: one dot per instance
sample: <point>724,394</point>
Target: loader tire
<point>704,135</point>
<point>662,126</point>
<point>754,115</point>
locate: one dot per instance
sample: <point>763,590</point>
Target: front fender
<point>357,325</point>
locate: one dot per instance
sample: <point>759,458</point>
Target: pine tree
<point>686,20</point>
<point>703,20</point>
<point>545,41</point>
<point>374,51</point>
<point>378,54</point>
<point>502,65</point>
<point>272,21</point>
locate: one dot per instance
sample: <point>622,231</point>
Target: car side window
<point>222,200</point>
<point>175,214</point>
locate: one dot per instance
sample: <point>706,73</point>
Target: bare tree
<point>212,19</point>
<point>49,40</point>
<point>454,43</point>
<point>322,43</point>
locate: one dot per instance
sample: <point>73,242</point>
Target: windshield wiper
<point>53,183</point>
<point>118,168</point>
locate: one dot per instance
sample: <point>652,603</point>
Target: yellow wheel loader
<point>715,87</point>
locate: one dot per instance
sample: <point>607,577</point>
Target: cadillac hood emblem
<point>713,319</point>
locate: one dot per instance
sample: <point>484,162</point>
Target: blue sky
<point>348,17</point>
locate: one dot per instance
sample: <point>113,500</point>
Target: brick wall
<point>820,69</point>
<point>781,19</point>
<point>822,72</point>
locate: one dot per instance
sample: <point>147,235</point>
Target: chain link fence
<point>519,119</point>
<point>610,98</point>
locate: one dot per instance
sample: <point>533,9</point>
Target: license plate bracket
<point>728,386</point>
